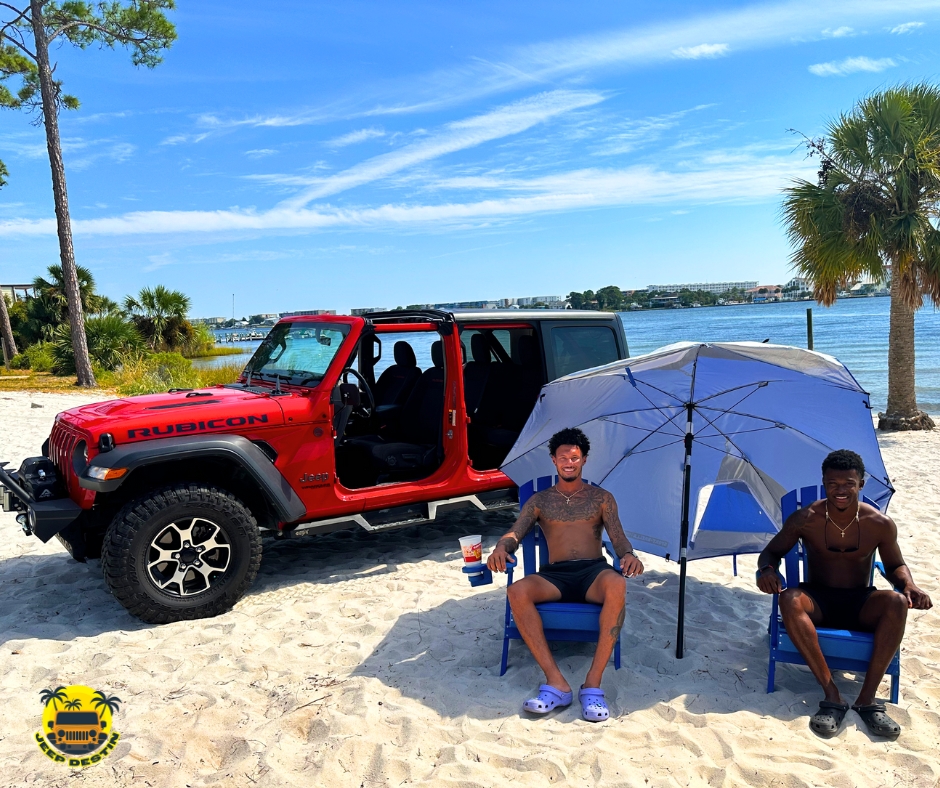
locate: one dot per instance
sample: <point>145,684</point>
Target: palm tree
<point>73,704</point>
<point>160,316</point>
<point>872,214</point>
<point>48,696</point>
<point>110,702</point>
<point>55,290</point>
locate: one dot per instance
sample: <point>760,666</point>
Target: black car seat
<point>413,448</point>
<point>395,383</point>
<point>518,399</point>
<point>476,372</point>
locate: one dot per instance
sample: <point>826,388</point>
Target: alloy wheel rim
<point>187,557</point>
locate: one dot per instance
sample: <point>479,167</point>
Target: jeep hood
<point>210,410</point>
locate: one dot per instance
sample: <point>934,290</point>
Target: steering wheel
<point>365,410</point>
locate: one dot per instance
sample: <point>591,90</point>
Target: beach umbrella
<point>699,441</point>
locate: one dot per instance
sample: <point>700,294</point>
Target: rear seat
<point>510,394</point>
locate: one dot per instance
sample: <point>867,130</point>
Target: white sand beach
<point>367,660</point>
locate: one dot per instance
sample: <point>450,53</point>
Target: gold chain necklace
<point>829,519</point>
<point>569,497</point>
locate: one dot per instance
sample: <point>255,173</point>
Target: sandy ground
<point>367,660</point>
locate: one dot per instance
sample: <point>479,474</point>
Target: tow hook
<point>23,520</point>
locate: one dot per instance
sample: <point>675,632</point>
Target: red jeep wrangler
<point>337,422</point>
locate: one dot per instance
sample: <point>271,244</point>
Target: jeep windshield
<point>295,354</point>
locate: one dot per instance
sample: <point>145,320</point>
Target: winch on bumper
<point>33,492</point>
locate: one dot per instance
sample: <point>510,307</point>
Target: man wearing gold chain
<point>840,536</point>
<point>572,515</point>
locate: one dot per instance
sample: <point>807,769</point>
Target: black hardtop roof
<point>486,315</point>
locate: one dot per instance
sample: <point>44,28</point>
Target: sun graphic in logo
<point>77,725</point>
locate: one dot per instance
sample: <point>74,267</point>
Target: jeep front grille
<point>61,443</point>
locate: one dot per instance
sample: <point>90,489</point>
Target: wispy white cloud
<point>458,135</point>
<point>80,152</point>
<point>907,27</point>
<point>355,137</point>
<point>535,65</point>
<point>722,177</point>
<point>701,51</point>
<point>851,65</point>
<point>633,134</point>
<point>117,152</point>
<point>184,139</point>
<point>260,153</point>
<point>838,32</point>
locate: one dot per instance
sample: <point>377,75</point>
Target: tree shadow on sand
<point>448,657</point>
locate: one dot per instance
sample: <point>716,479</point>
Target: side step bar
<point>400,516</point>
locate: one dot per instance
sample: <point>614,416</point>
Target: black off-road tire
<point>129,545</point>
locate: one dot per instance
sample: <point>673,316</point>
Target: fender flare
<point>235,448</point>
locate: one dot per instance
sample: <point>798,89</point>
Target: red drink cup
<point>472,549</point>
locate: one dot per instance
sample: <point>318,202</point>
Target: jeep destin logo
<point>77,725</point>
<point>196,426</point>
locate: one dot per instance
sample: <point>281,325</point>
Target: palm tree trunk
<point>6,333</point>
<point>902,411</point>
<point>49,91</point>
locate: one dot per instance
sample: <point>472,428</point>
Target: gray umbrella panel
<point>764,417</point>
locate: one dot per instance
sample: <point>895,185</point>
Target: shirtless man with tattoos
<point>840,535</point>
<point>572,515</point>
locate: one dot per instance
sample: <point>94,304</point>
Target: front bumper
<point>45,519</point>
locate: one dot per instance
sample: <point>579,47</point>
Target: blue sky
<point>345,154</point>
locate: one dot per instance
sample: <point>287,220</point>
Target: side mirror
<point>336,396</point>
<point>50,724</point>
<point>376,350</point>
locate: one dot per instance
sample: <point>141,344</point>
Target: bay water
<point>854,330</point>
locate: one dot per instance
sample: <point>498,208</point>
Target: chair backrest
<point>794,563</point>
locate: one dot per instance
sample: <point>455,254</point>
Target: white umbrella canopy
<point>698,442</point>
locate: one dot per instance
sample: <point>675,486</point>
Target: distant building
<point>457,305</point>
<point>209,321</point>
<point>18,292</point>
<point>367,310</point>
<point>665,301</point>
<point>708,287</point>
<point>308,313</point>
<point>551,301</point>
<point>770,293</point>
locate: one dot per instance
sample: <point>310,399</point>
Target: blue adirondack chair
<point>561,620</point>
<point>843,649</point>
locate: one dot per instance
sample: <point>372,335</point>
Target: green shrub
<point>199,342</point>
<point>39,357</point>
<point>19,361</point>
<point>157,372</point>
<point>110,337</point>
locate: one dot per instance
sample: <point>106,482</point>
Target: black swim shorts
<point>839,606</point>
<point>573,578</point>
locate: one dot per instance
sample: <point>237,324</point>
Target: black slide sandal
<point>828,719</point>
<point>877,720</point>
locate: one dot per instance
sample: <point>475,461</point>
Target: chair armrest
<point>605,542</point>
<point>880,568</point>
<point>509,567</point>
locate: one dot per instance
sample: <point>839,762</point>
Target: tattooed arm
<point>509,543</point>
<point>630,565</point>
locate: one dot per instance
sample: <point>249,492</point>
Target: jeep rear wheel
<point>183,552</point>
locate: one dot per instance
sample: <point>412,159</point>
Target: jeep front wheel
<point>183,552</point>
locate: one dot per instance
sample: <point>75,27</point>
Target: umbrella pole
<point>684,533</point>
